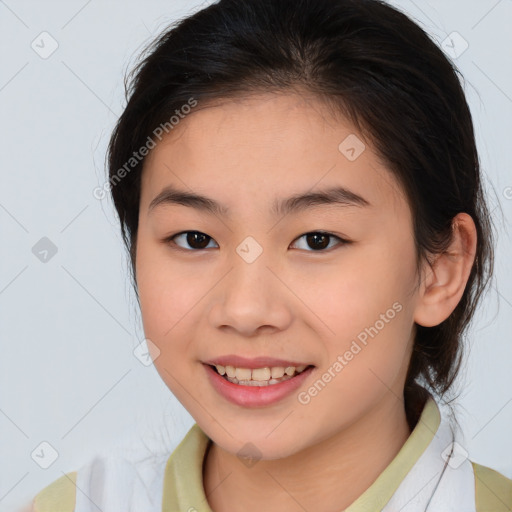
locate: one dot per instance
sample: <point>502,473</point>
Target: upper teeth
<point>260,374</point>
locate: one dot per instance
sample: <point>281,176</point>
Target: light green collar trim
<point>183,477</point>
<point>386,484</point>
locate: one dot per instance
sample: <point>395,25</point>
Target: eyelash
<point>170,240</point>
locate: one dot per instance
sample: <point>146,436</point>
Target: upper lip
<point>256,362</point>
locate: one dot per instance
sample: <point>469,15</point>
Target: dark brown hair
<point>364,59</point>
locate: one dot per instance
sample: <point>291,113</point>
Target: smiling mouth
<point>259,376</point>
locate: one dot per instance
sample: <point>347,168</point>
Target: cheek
<point>354,291</point>
<point>167,295</point>
<point>167,298</point>
<point>368,309</point>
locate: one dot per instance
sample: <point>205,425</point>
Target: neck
<point>339,469</point>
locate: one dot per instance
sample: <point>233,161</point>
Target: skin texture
<point>295,301</point>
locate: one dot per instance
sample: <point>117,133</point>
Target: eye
<point>198,240</point>
<point>195,239</point>
<point>318,239</point>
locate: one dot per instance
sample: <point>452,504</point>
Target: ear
<point>445,279</point>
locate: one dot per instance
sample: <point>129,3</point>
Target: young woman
<point>299,190</point>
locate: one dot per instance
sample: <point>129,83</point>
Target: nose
<point>251,300</point>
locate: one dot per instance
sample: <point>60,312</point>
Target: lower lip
<point>255,396</point>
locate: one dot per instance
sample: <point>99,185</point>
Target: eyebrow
<point>339,196</point>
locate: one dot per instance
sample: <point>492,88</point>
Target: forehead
<point>254,150</point>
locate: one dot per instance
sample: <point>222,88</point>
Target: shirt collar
<point>183,477</point>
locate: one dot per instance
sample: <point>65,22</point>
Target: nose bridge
<point>250,271</point>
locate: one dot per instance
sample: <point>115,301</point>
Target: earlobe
<point>446,280</point>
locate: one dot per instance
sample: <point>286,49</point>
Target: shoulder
<point>493,490</point>
<point>59,496</point>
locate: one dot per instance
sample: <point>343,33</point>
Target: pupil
<point>195,234</point>
<point>315,235</point>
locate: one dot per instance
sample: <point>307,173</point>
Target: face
<point>324,283</point>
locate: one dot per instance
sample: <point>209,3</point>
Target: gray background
<point>68,326</point>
